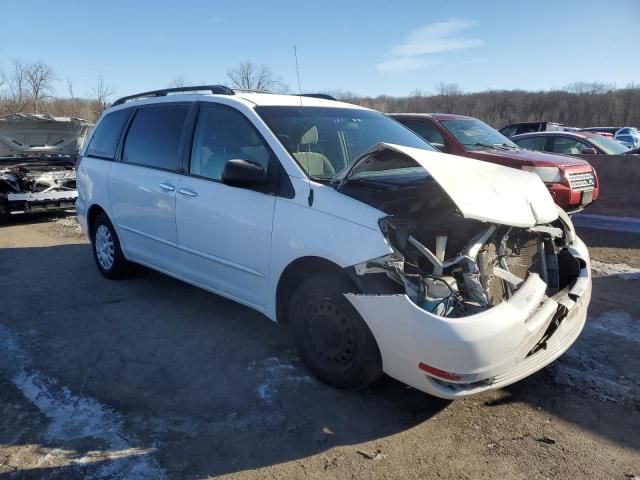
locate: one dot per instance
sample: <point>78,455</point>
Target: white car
<point>451,275</point>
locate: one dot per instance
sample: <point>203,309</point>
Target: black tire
<point>119,266</point>
<point>332,339</point>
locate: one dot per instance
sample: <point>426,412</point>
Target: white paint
<point>620,270</point>
<point>482,190</point>
<point>491,344</point>
<point>74,417</point>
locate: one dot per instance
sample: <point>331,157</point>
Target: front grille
<point>582,181</point>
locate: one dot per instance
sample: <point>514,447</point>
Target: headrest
<point>310,137</point>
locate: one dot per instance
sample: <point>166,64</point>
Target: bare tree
<point>101,93</point>
<point>39,80</point>
<point>72,96</point>
<point>250,76</point>
<point>16,85</point>
<point>179,81</point>
<point>450,93</point>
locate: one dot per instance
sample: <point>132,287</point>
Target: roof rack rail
<point>250,90</point>
<point>215,89</point>
<point>323,96</point>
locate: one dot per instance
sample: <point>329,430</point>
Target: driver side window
<point>223,134</point>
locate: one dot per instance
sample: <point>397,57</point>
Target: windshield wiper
<point>500,146</point>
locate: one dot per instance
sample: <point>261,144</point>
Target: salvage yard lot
<point>152,378</point>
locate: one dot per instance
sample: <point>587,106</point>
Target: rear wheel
<point>106,249</point>
<point>333,340</point>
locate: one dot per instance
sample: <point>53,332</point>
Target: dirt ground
<point>149,378</point>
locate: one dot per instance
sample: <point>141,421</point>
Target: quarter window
<point>153,139</point>
<point>104,141</point>
<point>223,134</point>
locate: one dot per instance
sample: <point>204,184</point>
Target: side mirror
<point>589,151</point>
<point>243,173</point>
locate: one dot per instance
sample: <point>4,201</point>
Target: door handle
<point>187,192</point>
<point>167,187</point>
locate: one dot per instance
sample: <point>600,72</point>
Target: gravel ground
<point>150,378</point>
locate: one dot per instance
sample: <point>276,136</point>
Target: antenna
<point>304,128</point>
<point>295,54</point>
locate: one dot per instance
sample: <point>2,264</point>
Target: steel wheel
<point>333,340</point>
<point>331,335</point>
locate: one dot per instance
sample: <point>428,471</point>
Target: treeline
<point>31,88</point>
<point>579,104</point>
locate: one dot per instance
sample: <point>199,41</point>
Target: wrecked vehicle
<point>37,157</point>
<point>452,275</point>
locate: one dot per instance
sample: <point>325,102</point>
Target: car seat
<point>315,164</point>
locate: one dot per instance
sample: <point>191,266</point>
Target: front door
<point>224,233</point>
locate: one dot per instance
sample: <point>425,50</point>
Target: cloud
<point>405,64</point>
<point>418,47</point>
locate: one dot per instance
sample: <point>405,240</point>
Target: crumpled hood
<point>481,190</point>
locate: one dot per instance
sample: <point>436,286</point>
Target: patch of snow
<point>620,270</point>
<point>74,417</point>
<point>274,374</point>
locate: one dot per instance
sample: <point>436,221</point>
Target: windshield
<point>608,146</point>
<point>325,140</point>
<point>476,135</point>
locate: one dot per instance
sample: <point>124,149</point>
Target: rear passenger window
<point>222,134</point>
<point>153,139</point>
<point>105,139</point>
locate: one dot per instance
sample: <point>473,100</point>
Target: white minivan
<point>382,254</point>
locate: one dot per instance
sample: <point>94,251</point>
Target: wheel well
<point>297,272</point>
<point>92,214</point>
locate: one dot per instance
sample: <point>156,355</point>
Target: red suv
<point>572,181</point>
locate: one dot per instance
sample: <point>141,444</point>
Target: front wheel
<point>333,340</point>
<point>106,249</point>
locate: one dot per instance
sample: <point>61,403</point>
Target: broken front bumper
<point>480,352</point>
<point>15,203</point>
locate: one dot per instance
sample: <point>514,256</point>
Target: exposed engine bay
<point>37,183</point>
<point>42,175</point>
<point>473,267</point>
<point>449,265</point>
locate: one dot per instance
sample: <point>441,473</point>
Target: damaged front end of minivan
<point>37,160</point>
<point>490,281</point>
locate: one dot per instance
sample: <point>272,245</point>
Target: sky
<point>367,47</point>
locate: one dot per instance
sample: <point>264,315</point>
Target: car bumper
<point>17,203</point>
<point>481,352</point>
<point>572,200</point>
